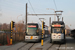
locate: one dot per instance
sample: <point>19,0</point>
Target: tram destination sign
<point>31,26</point>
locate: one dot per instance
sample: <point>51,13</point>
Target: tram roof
<point>32,23</point>
<point>59,22</point>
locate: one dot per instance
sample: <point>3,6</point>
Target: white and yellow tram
<point>57,31</point>
<point>33,33</point>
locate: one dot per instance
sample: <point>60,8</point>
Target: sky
<point>15,10</point>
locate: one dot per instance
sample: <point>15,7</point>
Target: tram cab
<point>33,33</point>
<point>57,32</point>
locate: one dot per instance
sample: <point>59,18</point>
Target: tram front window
<point>57,30</point>
<point>31,30</point>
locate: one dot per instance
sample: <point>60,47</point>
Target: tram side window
<point>62,30</point>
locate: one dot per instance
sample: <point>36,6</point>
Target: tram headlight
<point>54,35</point>
<point>35,37</point>
<point>59,35</point>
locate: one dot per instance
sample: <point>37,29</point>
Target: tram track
<point>22,46</point>
<point>58,48</point>
<point>27,46</point>
<point>50,46</point>
<point>31,46</point>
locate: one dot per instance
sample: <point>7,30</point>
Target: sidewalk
<point>10,46</point>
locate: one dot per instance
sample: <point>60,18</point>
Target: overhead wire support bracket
<point>43,14</point>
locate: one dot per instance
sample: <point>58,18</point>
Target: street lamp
<point>17,20</point>
<point>54,12</point>
<point>18,16</point>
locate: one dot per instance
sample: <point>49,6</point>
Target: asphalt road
<point>69,45</point>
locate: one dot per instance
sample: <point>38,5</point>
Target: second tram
<point>57,31</point>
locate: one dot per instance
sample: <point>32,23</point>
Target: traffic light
<point>43,24</point>
<point>11,29</point>
<point>12,24</point>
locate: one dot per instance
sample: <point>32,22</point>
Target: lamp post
<point>18,16</point>
<point>17,20</point>
<point>17,26</point>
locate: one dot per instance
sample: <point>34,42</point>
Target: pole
<point>26,18</point>
<point>50,21</point>
<point>11,33</point>
<point>54,12</point>
<point>58,18</point>
<point>42,35</point>
<point>54,16</point>
<point>62,18</point>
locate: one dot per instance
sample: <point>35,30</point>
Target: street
<point>69,45</point>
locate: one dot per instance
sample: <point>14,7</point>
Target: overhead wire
<point>32,8</point>
<point>55,4</point>
<point>44,11</point>
<point>56,7</point>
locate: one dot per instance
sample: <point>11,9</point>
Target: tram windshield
<point>31,30</point>
<point>57,30</point>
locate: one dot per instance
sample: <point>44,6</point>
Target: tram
<point>57,32</point>
<point>33,33</point>
<point>73,33</point>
